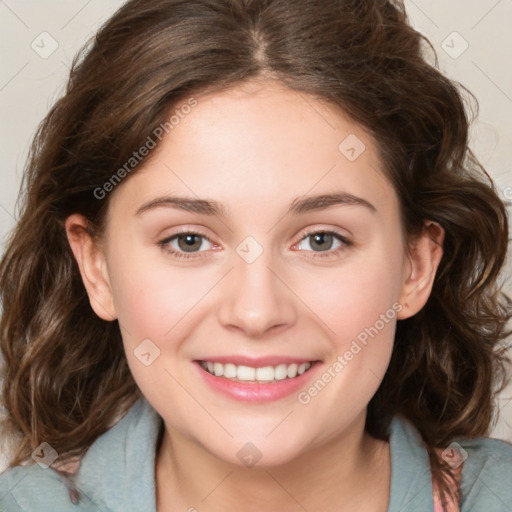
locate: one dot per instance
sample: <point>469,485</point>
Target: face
<point>265,275</point>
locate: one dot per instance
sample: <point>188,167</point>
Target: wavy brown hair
<point>66,379</point>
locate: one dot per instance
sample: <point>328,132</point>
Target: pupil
<point>321,237</point>
<point>189,242</point>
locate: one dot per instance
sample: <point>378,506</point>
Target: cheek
<point>359,305</point>
<point>155,304</point>
<point>354,296</point>
<point>152,297</point>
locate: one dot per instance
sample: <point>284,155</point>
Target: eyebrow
<point>299,205</point>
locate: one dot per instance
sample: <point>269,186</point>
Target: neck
<point>335,475</point>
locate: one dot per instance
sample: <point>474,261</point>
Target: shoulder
<point>486,474</point>
<point>30,488</point>
<point>486,483</point>
<point>115,473</point>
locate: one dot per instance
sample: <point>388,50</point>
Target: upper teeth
<point>247,373</point>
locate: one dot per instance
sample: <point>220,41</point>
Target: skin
<point>255,148</point>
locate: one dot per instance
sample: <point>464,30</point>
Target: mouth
<point>256,375</point>
<point>256,381</point>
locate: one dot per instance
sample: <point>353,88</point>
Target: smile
<point>256,381</point>
<point>265,374</point>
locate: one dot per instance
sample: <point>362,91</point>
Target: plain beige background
<point>473,40</point>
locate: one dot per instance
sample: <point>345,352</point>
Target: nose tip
<point>257,328</point>
<point>256,301</point>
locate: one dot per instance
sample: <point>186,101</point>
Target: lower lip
<point>257,392</point>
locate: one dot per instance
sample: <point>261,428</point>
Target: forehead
<point>260,143</point>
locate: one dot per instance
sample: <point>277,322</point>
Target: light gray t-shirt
<point>117,473</point>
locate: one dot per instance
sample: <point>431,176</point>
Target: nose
<point>256,299</point>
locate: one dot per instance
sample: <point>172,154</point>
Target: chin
<point>259,454</point>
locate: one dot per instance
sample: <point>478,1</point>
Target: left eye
<point>323,241</point>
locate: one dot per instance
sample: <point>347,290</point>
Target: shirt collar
<point>411,481</point>
<point>119,467</point>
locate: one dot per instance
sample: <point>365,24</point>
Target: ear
<point>423,259</point>
<point>92,264</point>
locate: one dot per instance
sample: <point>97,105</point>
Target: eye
<point>184,244</point>
<point>323,241</point>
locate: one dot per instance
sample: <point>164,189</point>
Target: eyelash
<point>323,254</point>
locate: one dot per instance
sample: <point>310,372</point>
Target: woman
<point>256,267</point>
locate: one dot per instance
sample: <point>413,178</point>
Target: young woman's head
<point>260,183</point>
<point>248,281</point>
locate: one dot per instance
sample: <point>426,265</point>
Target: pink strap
<point>451,506</point>
<point>71,466</point>
<point>66,472</point>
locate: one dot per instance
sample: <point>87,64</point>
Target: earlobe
<point>420,271</point>
<point>92,264</point>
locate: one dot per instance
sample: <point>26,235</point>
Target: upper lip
<point>257,362</point>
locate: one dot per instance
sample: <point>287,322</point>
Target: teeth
<point>281,372</point>
<point>265,373</point>
<point>248,374</point>
<point>292,370</point>
<point>245,373</point>
<point>230,371</point>
<point>218,369</point>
